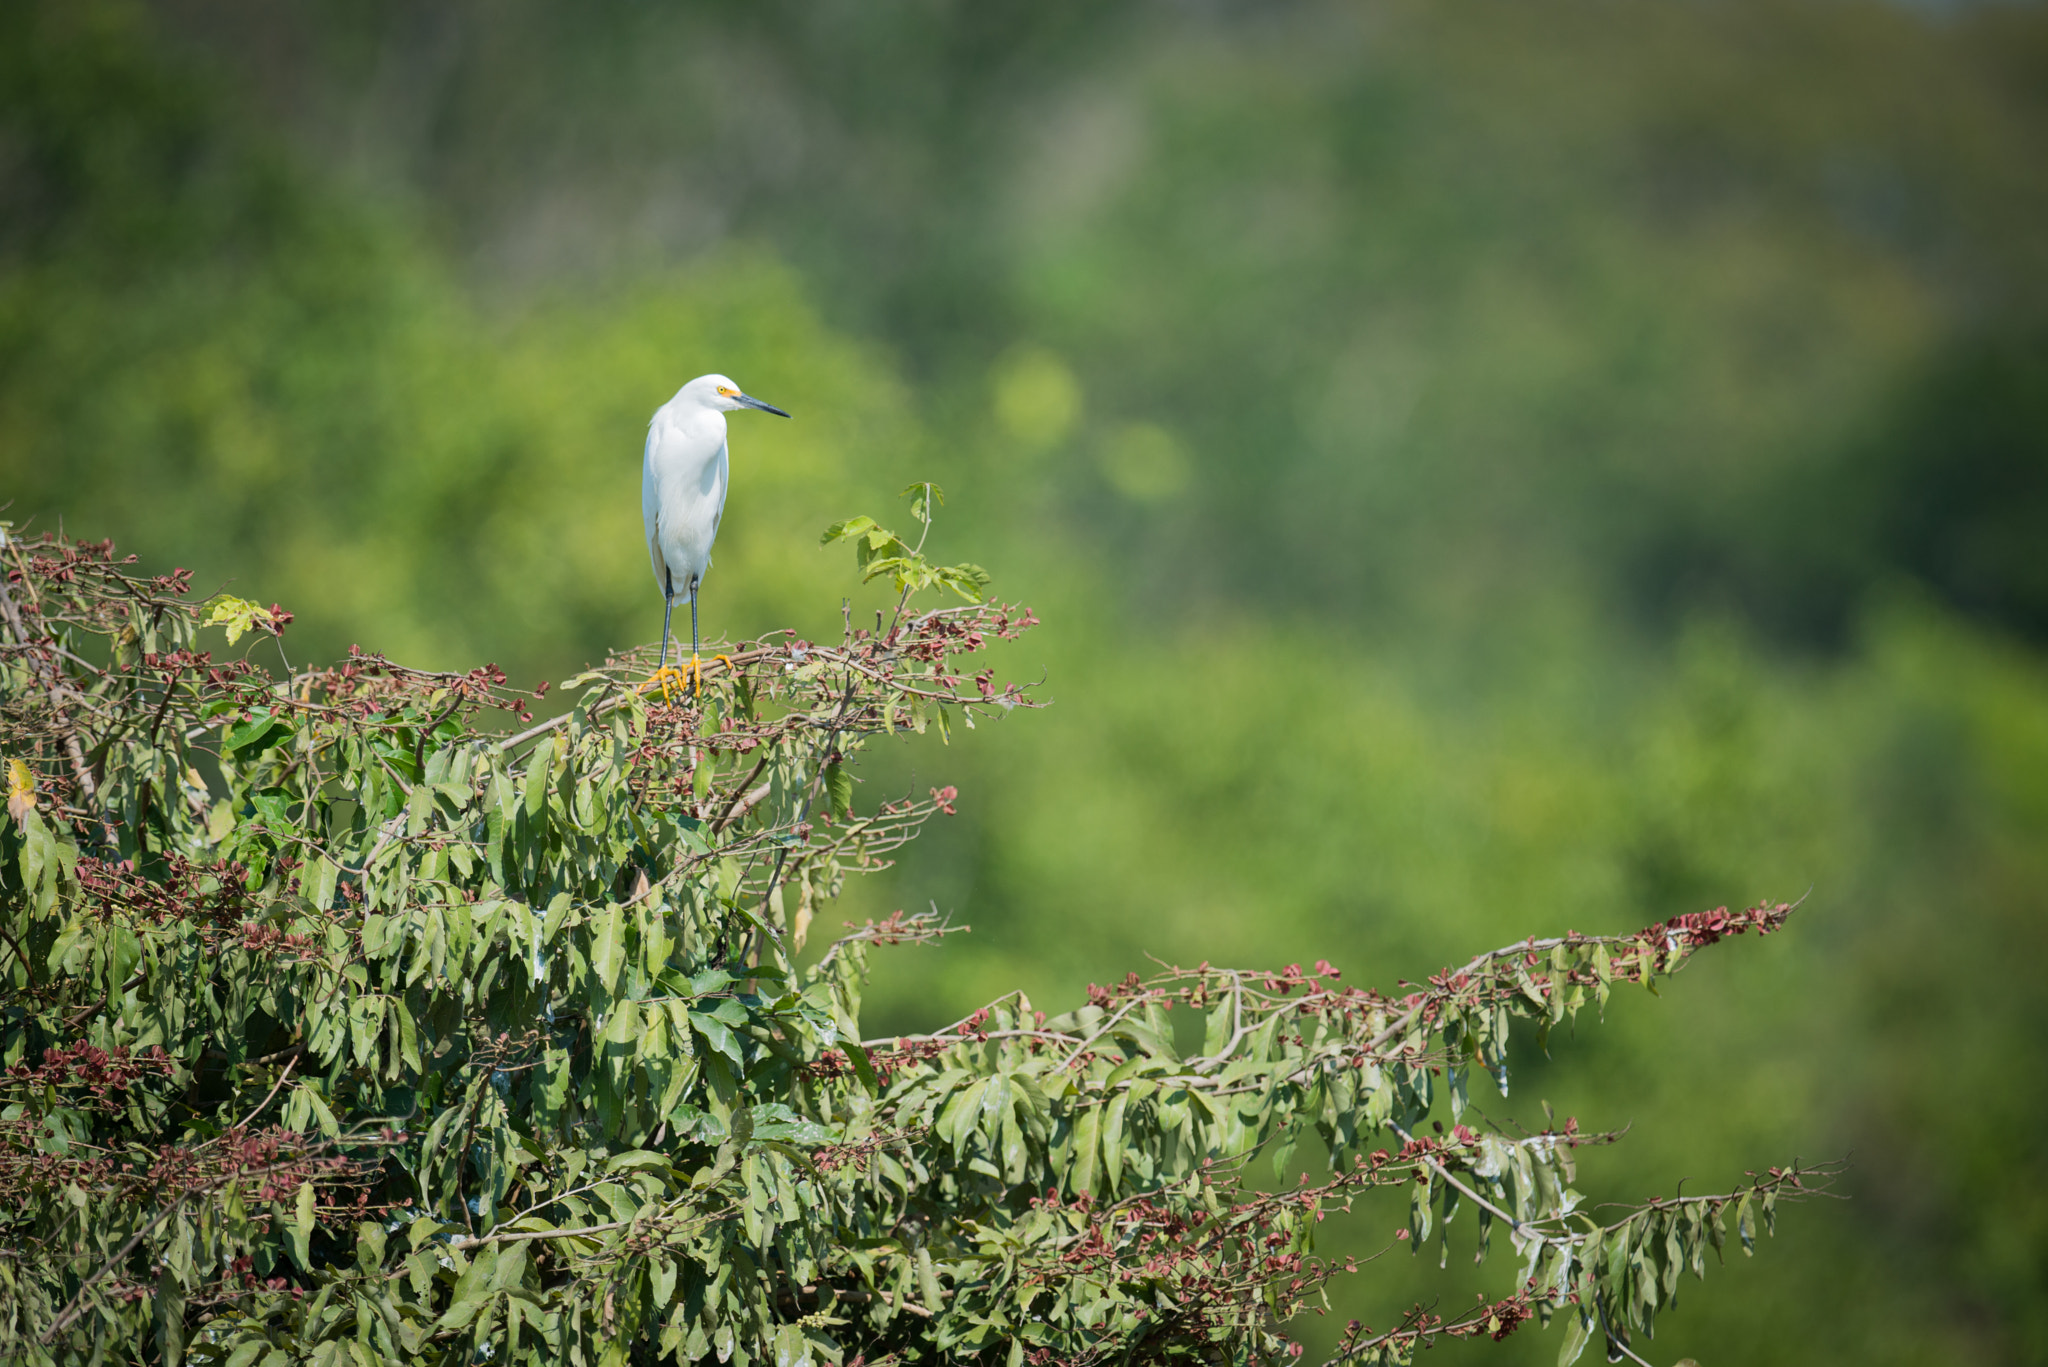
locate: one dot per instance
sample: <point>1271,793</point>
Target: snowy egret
<point>683,478</point>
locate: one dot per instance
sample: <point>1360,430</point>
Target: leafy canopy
<point>341,1025</point>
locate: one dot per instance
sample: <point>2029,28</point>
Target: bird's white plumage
<point>683,478</point>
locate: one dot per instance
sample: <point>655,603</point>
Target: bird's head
<point>718,392</point>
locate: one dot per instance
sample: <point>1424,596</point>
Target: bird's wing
<point>724,464</point>
<point>650,509</point>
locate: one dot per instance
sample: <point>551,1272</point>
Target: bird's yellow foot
<point>670,679</point>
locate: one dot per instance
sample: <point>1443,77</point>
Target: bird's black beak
<point>764,407</point>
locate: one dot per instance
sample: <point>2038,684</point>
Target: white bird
<point>683,479</point>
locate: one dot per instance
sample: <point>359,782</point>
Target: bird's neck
<point>702,433</point>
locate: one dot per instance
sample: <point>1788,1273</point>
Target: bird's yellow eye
<point>729,393</point>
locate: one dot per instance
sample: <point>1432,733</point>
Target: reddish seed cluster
<point>908,1053</point>
<point>1700,928</point>
<point>1424,1146</point>
<point>1498,1320</point>
<point>283,1159</point>
<point>855,1155</point>
<point>60,564</point>
<point>830,1066</point>
<point>184,891</point>
<point>897,928</point>
<point>171,663</point>
<point>277,1161</point>
<point>218,677</point>
<point>933,637</point>
<point>242,1273</point>
<point>1216,1267</point>
<point>1010,630</point>
<point>1106,996</point>
<point>104,1074</point>
<point>1292,977</point>
<point>367,684</point>
<point>63,566</point>
<point>273,943</point>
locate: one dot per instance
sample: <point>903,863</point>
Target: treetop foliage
<point>342,1025</point>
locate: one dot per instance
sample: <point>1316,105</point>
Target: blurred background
<point>1484,470</point>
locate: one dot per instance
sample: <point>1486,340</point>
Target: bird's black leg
<point>662,678</point>
<point>696,666</point>
<point>668,603</point>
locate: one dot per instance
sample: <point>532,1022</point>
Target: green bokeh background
<point>1484,470</point>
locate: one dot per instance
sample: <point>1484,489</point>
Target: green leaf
<point>302,1226</point>
<point>863,1067</point>
<point>838,789</point>
<point>957,1121</point>
<point>969,581</point>
<point>928,1283</point>
<point>238,615</point>
<point>535,785</point>
<point>252,737</point>
<point>369,1246</point>
<point>792,1349</point>
<point>709,981</point>
<point>663,1279</point>
<point>1113,1142</point>
<point>729,1010</point>
<point>607,954</point>
<point>1578,1330</point>
<point>774,1121</point>
<point>318,881</point>
<point>851,527</point>
<point>472,1290</point>
<point>1147,1039</point>
<point>719,1036</point>
<point>1082,1172</point>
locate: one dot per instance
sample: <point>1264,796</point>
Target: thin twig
<point>802,814</point>
<point>28,964</point>
<point>282,1078</point>
<point>1613,1340</point>
<point>516,1236</point>
<point>1517,1225</point>
<point>52,686</point>
<point>77,1305</point>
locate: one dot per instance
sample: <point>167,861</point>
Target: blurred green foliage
<point>1483,470</point>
